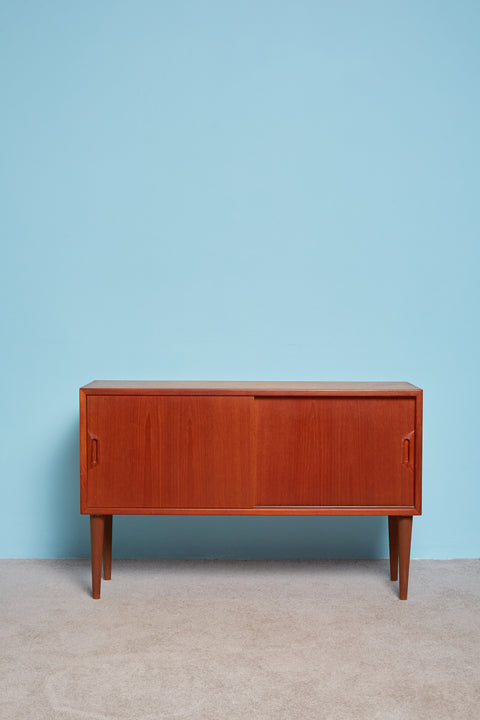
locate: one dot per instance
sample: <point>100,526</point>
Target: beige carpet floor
<point>230,640</point>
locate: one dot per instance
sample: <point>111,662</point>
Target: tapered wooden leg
<point>393,543</point>
<point>107,548</point>
<point>404,542</point>
<point>97,524</point>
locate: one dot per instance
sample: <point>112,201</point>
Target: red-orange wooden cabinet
<point>239,448</point>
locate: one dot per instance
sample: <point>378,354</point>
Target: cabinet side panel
<point>83,451</point>
<point>418,450</point>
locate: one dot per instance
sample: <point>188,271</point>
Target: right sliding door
<point>335,452</point>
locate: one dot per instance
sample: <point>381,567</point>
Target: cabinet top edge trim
<point>150,387</point>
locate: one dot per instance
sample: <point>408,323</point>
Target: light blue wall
<point>237,190</point>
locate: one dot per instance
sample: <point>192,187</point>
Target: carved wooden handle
<point>93,450</point>
<point>408,449</point>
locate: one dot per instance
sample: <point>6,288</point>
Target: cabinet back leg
<point>393,544</point>
<point>404,542</point>
<point>97,525</point>
<point>107,548</point>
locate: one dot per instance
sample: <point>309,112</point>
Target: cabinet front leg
<point>97,526</point>
<point>404,543</point>
<point>107,548</point>
<point>393,544</point>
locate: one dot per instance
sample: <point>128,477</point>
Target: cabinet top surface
<point>174,387</point>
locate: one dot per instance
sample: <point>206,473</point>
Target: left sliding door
<point>147,451</point>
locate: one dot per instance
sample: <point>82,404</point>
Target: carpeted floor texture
<point>239,640</point>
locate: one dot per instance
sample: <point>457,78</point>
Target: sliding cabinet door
<point>335,452</point>
<point>169,452</point>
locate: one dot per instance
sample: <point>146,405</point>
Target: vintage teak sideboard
<point>251,448</point>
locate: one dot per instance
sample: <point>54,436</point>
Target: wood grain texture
<point>333,452</point>
<point>393,546</point>
<point>251,449</point>
<point>169,452</point>
<point>153,387</point>
<point>418,450</point>
<point>107,547</point>
<point>97,525</point>
<point>132,420</point>
<point>83,453</point>
<point>404,543</point>
<point>254,510</point>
